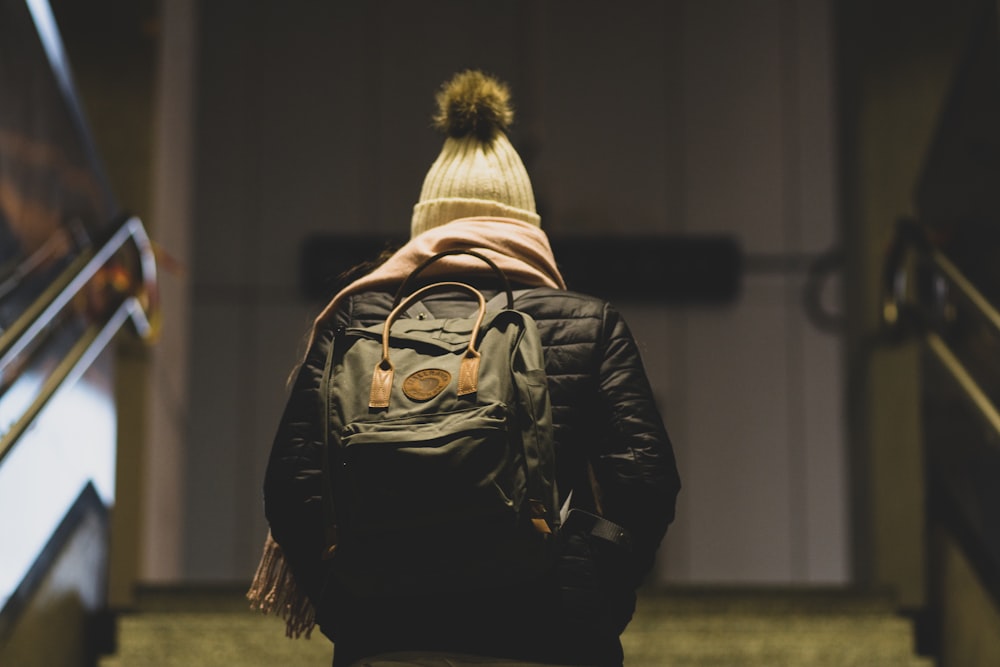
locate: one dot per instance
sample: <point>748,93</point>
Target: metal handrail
<point>896,304</point>
<point>971,390</point>
<point>969,291</point>
<point>72,366</point>
<point>37,319</point>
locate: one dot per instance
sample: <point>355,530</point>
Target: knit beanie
<point>478,172</point>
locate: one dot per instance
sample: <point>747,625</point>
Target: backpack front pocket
<point>429,473</point>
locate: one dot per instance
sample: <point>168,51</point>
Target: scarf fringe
<point>274,590</point>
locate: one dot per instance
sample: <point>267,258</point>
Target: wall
<point>674,117</point>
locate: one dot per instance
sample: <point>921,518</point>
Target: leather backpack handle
<point>410,279</point>
<point>468,370</point>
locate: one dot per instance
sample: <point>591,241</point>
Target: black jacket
<point>604,413</point>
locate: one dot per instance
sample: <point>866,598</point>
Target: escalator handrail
<point>35,321</point>
<point>72,366</point>
<point>37,318</point>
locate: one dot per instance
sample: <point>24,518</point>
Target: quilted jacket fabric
<point>604,413</point>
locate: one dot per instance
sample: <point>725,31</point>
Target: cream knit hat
<point>478,172</point>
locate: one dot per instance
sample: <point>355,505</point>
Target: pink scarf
<point>521,250</point>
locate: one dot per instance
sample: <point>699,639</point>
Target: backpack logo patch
<point>426,384</point>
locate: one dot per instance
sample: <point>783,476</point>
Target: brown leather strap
<point>468,372</point>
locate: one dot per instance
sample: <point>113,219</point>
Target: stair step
<point>800,628</point>
<point>675,628</point>
<point>212,639</point>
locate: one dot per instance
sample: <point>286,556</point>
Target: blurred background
<point>780,162</point>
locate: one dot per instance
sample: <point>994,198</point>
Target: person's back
<point>613,455</point>
<point>603,418</point>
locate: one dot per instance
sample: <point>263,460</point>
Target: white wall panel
<point>733,122</point>
<point>811,160</point>
<point>824,480</point>
<point>603,162</point>
<point>212,506</point>
<point>739,470</point>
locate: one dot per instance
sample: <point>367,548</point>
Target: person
<point>612,450</point>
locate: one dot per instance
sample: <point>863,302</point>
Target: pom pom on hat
<point>473,104</point>
<point>478,172</point>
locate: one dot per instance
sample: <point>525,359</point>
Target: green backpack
<point>440,455</point>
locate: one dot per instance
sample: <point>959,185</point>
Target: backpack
<point>440,465</point>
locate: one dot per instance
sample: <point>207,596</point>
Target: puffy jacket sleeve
<point>635,468</point>
<point>293,482</point>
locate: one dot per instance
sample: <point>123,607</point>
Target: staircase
<point>674,628</point>
<point>692,628</point>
